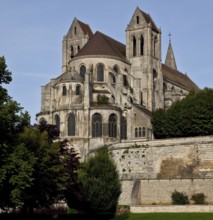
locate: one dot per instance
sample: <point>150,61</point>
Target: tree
<point>12,122</point>
<point>39,168</point>
<point>43,183</point>
<point>191,116</point>
<point>98,184</point>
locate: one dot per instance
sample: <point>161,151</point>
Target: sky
<point>32,32</point>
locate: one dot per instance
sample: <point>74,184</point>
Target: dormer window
<point>137,19</point>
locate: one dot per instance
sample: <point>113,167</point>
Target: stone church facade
<point>107,91</point>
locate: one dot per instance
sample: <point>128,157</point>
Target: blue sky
<point>32,32</point>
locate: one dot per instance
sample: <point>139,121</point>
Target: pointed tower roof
<point>170,57</point>
<point>146,19</point>
<point>84,28</point>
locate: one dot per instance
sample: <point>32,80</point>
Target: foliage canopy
<point>191,116</point>
<point>98,184</point>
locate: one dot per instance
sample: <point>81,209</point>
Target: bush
<point>99,185</point>
<point>102,99</point>
<point>198,198</point>
<point>179,198</point>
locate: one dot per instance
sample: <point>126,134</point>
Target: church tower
<point>143,50</point>
<point>77,36</point>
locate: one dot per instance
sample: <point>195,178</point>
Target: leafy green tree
<point>99,185</point>
<point>191,116</point>
<point>39,168</point>
<point>12,122</point>
<point>33,165</point>
<point>44,181</point>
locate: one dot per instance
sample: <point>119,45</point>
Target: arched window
<point>144,132</point>
<point>155,48</point>
<point>100,73</point>
<point>82,71</point>
<point>139,132</point>
<point>64,90</point>
<point>75,30</point>
<point>134,46</point>
<point>112,78</point>
<point>137,19</point>
<point>141,45</point>
<point>71,125</point>
<point>136,132</point>
<point>125,81</point>
<point>115,68</point>
<point>78,47</point>
<point>57,122</point>
<point>123,128</point>
<point>78,90</point>
<point>96,125</point>
<point>71,52</point>
<point>112,125</point>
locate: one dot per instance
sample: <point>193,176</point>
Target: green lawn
<point>166,216</point>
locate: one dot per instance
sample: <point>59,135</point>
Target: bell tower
<point>143,50</point>
<point>77,36</point>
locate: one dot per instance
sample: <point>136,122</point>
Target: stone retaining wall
<point>150,171</point>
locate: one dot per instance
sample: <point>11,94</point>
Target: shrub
<point>179,198</point>
<point>102,99</point>
<point>99,185</point>
<point>198,198</point>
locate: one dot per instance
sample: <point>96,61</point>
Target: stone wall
<point>150,171</point>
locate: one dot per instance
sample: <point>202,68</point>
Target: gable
<point>141,19</point>
<point>79,29</point>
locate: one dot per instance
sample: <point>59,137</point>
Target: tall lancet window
<point>64,90</point>
<point>100,73</point>
<point>97,125</point>
<point>78,90</point>
<point>123,128</point>
<point>82,72</point>
<point>155,46</point>
<point>134,46</point>
<point>112,125</point>
<point>137,19</point>
<point>71,52</point>
<point>71,125</point>
<point>57,122</point>
<point>141,45</point>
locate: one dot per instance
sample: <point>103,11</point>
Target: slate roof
<point>101,44</point>
<point>143,109</point>
<point>69,76</point>
<point>85,28</point>
<point>149,20</point>
<point>178,78</point>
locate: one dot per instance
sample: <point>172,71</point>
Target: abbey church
<point>107,90</point>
